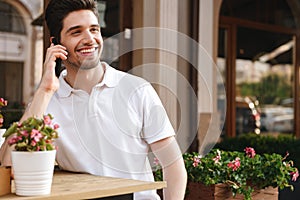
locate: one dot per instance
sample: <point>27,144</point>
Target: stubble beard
<point>85,64</point>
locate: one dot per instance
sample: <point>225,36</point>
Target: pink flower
<point>33,143</point>
<point>218,157</point>
<point>196,161</point>
<point>36,135</point>
<point>14,140</point>
<point>234,165</point>
<point>286,155</point>
<point>19,124</point>
<point>3,102</point>
<point>294,175</point>
<point>47,120</point>
<point>24,133</point>
<point>250,152</point>
<point>56,126</point>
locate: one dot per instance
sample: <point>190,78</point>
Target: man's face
<point>82,37</point>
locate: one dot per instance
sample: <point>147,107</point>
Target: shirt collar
<point>64,89</point>
<point>110,79</point>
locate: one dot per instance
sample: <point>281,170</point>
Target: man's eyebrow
<point>95,25</point>
<point>77,27</point>
<point>72,28</point>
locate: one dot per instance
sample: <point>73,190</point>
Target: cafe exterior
<point>198,54</point>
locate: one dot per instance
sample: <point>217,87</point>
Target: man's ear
<point>54,40</point>
<point>51,39</point>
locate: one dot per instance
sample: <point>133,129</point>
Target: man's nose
<point>88,37</point>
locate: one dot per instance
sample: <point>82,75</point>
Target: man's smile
<point>87,51</point>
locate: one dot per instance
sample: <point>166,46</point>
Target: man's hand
<point>49,82</point>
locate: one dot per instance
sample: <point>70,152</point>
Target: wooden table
<point>70,186</point>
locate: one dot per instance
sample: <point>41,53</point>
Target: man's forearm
<point>38,106</point>
<point>176,177</point>
<point>169,154</point>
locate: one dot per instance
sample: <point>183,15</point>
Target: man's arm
<point>48,85</point>
<point>168,153</point>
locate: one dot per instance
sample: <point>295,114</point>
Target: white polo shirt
<point>108,132</point>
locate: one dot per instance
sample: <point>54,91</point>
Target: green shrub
<point>281,144</point>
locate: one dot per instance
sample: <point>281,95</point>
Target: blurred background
<point>247,82</point>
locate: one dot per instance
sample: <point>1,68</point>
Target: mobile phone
<point>58,67</point>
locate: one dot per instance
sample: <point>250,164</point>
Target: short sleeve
<point>156,124</point>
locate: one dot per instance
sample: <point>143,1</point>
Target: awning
<point>38,21</point>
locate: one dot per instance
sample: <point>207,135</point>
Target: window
<point>10,19</point>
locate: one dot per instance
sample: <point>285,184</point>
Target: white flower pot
<point>2,131</point>
<point>33,172</point>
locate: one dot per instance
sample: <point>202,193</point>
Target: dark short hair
<point>57,10</point>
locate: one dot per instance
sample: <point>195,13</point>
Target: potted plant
<point>3,103</point>
<point>237,173</point>
<point>33,156</point>
<point>4,171</point>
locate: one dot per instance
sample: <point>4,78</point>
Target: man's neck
<point>85,79</point>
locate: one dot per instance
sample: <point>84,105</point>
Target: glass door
<point>264,82</point>
<point>258,71</point>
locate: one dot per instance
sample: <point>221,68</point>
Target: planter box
<point>223,192</point>
<point>5,183</point>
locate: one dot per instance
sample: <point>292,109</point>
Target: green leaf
<point>11,130</point>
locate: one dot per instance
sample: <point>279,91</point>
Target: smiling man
<point>109,120</point>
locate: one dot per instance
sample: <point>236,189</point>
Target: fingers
<point>56,51</point>
<point>53,53</point>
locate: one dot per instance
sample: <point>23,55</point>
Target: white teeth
<point>87,50</point>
